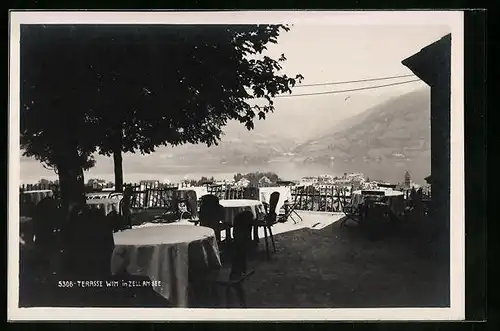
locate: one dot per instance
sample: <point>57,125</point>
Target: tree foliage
<point>157,85</point>
<point>44,181</point>
<point>87,88</point>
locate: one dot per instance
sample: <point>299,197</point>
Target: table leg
<point>256,234</point>
<point>228,234</point>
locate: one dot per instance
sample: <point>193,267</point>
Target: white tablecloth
<point>168,254</point>
<point>37,195</point>
<point>107,204</point>
<point>395,199</point>
<point>285,194</point>
<point>235,206</point>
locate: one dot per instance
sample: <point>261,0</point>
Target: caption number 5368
<point>65,283</point>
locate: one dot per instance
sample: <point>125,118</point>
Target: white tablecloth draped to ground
<point>395,199</point>
<point>285,194</point>
<point>170,254</point>
<point>200,190</point>
<point>235,206</point>
<point>36,195</point>
<point>107,204</point>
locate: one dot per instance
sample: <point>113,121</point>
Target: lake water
<point>32,172</point>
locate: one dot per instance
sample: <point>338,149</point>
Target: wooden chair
<point>290,212</point>
<point>231,278</point>
<point>125,208</point>
<point>188,205</point>
<point>212,215</point>
<point>351,212</point>
<point>269,220</point>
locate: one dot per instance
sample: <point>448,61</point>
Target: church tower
<point>407,180</point>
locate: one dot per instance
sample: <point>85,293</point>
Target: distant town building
<point>307,181</point>
<point>407,180</point>
<point>243,182</point>
<point>149,181</point>
<point>264,181</point>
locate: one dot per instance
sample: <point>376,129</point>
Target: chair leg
<point>300,217</point>
<point>256,233</point>
<point>272,239</point>
<point>228,234</point>
<point>267,244</point>
<point>240,292</point>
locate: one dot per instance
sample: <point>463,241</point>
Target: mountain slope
<point>394,134</point>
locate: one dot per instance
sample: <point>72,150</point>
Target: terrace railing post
<point>300,198</point>
<point>313,197</point>
<point>326,198</point>
<point>333,198</point>
<point>146,195</point>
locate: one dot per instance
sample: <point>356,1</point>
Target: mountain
<point>382,142</point>
<point>272,140</point>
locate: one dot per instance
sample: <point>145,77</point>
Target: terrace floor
<point>318,264</point>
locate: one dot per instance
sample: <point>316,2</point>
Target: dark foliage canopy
<point>90,88</point>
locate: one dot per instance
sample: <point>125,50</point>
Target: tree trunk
<point>71,182</point>
<point>118,164</point>
<point>117,159</point>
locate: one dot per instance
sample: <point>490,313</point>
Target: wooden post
<point>311,194</point>
<point>300,197</point>
<point>326,198</point>
<point>333,197</point>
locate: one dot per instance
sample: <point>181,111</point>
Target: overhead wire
<point>347,90</point>
<point>356,81</point>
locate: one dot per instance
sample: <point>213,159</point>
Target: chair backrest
<point>273,201</point>
<point>189,199</point>
<point>210,209</point>
<point>192,202</point>
<point>89,243</point>
<point>48,218</point>
<point>242,234</point>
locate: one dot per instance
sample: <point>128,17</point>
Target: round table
<point>236,206</point>
<point>108,205</point>
<point>395,200</point>
<point>169,254</point>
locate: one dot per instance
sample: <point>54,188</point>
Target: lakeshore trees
<point>118,89</point>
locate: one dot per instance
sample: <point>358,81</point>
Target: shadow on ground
<point>331,267</point>
<point>339,267</point>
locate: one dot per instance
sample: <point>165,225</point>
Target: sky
<point>321,53</point>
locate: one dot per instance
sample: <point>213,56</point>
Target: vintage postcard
<point>236,166</point>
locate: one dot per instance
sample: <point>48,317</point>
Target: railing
<point>152,195</point>
<point>160,195</point>
<point>35,187</point>
<point>327,199</point>
<point>426,195</point>
<point>226,192</point>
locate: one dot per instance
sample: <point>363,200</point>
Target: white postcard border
<point>453,19</point>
